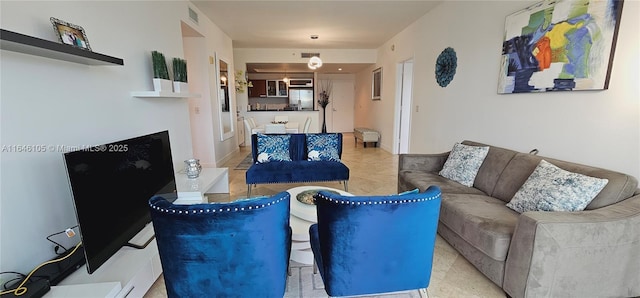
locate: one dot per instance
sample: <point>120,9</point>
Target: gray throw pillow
<point>463,163</point>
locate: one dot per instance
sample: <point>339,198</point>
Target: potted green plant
<point>161,81</point>
<point>180,75</point>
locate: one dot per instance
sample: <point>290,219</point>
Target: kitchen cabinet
<point>259,88</point>
<point>276,88</point>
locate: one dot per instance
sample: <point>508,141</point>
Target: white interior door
<point>405,106</point>
<point>340,110</point>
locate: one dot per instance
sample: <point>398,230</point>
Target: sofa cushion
<point>550,188</point>
<point>492,167</point>
<point>420,179</point>
<point>484,222</point>
<point>273,148</point>
<point>463,163</point>
<point>297,171</point>
<point>323,147</point>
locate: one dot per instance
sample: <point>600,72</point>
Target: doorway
<point>405,83</point>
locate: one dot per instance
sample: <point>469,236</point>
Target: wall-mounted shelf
<point>16,42</point>
<point>163,94</point>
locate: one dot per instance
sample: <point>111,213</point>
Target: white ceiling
<point>289,24</point>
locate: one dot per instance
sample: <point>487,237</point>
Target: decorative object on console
<point>376,84</point>
<point>550,188</point>
<point>559,45</point>
<point>192,168</point>
<point>323,100</point>
<point>180,75</point>
<point>446,66</point>
<point>463,163</point>
<point>241,82</point>
<point>161,81</point>
<point>70,34</point>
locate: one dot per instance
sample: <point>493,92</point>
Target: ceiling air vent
<point>309,55</point>
<point>193,15</point>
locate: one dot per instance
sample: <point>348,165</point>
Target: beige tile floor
<point>372,171</point>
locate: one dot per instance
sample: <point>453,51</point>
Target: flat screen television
<point>111,185</point>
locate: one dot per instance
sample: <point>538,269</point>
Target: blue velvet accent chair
<point>375,244</point>
<point>236,249</point>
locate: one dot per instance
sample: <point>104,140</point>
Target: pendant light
<point>314,62</point>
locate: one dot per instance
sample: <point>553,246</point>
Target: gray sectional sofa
<point>590,253</point>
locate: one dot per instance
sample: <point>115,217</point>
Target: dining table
<point>290,127</point>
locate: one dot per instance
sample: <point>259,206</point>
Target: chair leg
<point>248,190</point>
<point>315,266</point>
<point>346,187</point>
<point>423,293</point>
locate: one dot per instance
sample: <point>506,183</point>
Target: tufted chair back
<point>366,245</point>
<point>237,249</point>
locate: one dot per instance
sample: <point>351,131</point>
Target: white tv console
<point>131,272</point>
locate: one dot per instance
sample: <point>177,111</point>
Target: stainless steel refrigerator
<point>301,98</point>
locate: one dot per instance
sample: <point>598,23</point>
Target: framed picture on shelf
<point>70,34</point>
<point>376,84</point>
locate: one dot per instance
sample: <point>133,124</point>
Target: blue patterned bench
<point>326,166</point>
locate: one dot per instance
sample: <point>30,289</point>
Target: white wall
<point>599,128</point>
<point>205,111</point>
<point>52,102</point>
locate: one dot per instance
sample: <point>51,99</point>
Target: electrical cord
<point>58,245</point>
<point>21,289</point>
<point>20,275</point>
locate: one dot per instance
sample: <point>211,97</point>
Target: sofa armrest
<point>593,253</point>
<point>422,162</point>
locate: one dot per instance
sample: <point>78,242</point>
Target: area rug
<point>304,284</point>
<point>245,163</point>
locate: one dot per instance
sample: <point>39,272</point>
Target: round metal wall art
<point>446,66</point>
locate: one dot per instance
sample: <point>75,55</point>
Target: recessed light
<point>340,69</point>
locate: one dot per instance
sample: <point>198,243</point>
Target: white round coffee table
<point>302,217</point>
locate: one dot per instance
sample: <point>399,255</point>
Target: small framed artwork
<point>70,34</point>
<point>376,84</point>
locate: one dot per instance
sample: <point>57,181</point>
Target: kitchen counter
<point>281,110</point>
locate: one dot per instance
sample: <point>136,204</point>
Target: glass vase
<point>192,168</point>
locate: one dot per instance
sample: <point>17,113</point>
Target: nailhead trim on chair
<point>214,210</point>
<point>347,202</point>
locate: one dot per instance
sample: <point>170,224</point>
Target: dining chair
<point>247,126</point>
<point>307,124</point>
<point>252,122</point>
<point>275,128</point>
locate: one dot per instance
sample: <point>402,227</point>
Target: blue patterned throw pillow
<point>463,163</point>
<point>550,188</point>
<point>322,147</point>
<point>273,148</point>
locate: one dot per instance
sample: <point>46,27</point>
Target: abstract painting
<point>559,45</point>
